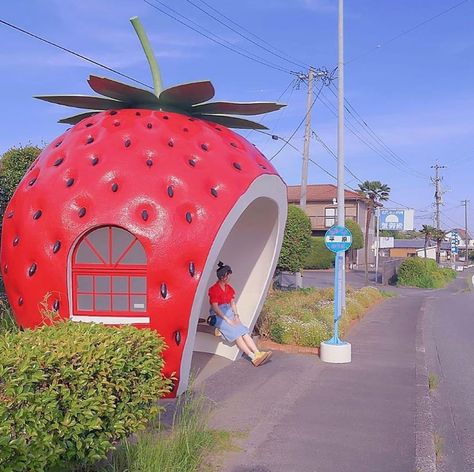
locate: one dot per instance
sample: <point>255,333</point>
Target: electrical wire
<point>223,42</point>
<point>405,32</point>
<point>70,51</point>
<point>305,66</point>
<point>299,125</point>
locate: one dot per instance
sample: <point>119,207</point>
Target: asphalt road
<point>301,415</point>
<point>449,341</point>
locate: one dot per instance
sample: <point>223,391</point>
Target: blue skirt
<point>229,332</point>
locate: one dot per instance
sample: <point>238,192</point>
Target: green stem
<point>155,70</point>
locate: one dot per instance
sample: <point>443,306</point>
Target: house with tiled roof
<point>321,207</point>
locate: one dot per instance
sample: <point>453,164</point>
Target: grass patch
<point>187,445</point>
<point>305,317</point>
<point>433,381</point>
<point>424,273</point>
<point>439,446</point>
<point>7,321</point>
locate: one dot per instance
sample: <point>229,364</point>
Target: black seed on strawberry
<point>205,147</point>
<point>32,269</point>
<point>233,144</point>
<point>191,119</point>
<point>56,305</point>
<point>116,123</point>
<point>82,212</point>
<point>237,166</point>
<point>114,187</point>
<point>127,143</point>
<point>170,191</point>
<point>70,182</point>
<point>20,301</point>
<point>37,215</point>
<point>90,140</point>
<point>10,215</point>
<point>163,290</point>
<point>192,162</point>
<point>177,337</point>
<point>191,269</point>
<point>166,117</point>
<point>5,269</point>
<point>138,113</point>
<point>189,218</point>
<point>185,130</point>
<point>32,182</point>
<point>149,126</point>
<point>58,162</point>
<point>144,215</point>
<point>170,143</point>
<point>56,247</point>
<point>149,162</point>
<point>16,241</point>
<point>113,112</point>
<point>95,161</point>
<point>58,144</point>
<point>218,129</point>
<point>213,192</point>
<point>88,125</point>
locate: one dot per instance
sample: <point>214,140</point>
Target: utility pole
<point>307,139</point>
<point>466,255</point>
<point>438,194</point>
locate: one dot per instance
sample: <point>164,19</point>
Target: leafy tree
<point>13,165</point>
<point>427,232</point>
<point>296,241</point>
<point>357,237</point>
<point>438,235</point>
<point>374,192</point>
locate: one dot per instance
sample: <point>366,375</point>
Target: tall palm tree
<point>427,231</point>
<point>438,235</point>
<point>374,192</point>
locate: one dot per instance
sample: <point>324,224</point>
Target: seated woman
<point>222,300</point>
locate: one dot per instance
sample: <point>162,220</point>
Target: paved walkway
<point>301,415</point>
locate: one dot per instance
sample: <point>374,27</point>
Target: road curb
<point>425,458</point>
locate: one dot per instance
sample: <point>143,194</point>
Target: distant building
<point>321,207</point>
<point>403,248</point>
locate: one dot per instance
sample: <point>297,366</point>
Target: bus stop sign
<point>338,239</point>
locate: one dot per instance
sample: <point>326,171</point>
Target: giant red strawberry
<point>122,218</point>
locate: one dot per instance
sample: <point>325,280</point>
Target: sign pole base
<point>335,353</point>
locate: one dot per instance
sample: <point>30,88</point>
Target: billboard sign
<point>396,220</point>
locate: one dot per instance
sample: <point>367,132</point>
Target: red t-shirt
<point>219,296</point>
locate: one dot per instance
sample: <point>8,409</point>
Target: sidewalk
<point>300,415</point>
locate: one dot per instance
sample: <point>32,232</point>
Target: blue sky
<point>414,92</point>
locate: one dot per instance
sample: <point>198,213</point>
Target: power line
<point>244,36</point>
<point>299,125</point>
<point>405,32</point>
<point>70,51</point>
<point>222,42</point>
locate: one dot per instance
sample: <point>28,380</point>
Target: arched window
<point>109,278</point>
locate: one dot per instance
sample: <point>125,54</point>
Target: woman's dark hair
<point>223,270</point>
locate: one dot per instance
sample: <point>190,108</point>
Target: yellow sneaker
<point>261,357</point>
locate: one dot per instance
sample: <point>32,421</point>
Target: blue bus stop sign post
<point>338,239</point>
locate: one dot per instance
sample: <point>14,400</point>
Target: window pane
<point>119,302</point>
<point>84,283</point>
<point>84,302</point>
<point>138,302</point>
<point>85,255</point>
<point>100,240</point>
<point>120,284</point>
<point>120,241</point>
<point>102,302</point>
<point>329,222</point>
<point>102,284</point>
<point>330,212</point>
<point>138,285</point>
<point>136,255</point>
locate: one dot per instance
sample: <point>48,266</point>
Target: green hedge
<point>69,391</point>
<point>296,241</point>
<point>423,273</point>
<point>319,257</point>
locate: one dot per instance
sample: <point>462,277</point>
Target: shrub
<point>69,391</point>
<point>357,235</point>
<point>13,166</point>
<point>319,257</point>
<point>423,273</point>
<point>296,241</point>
